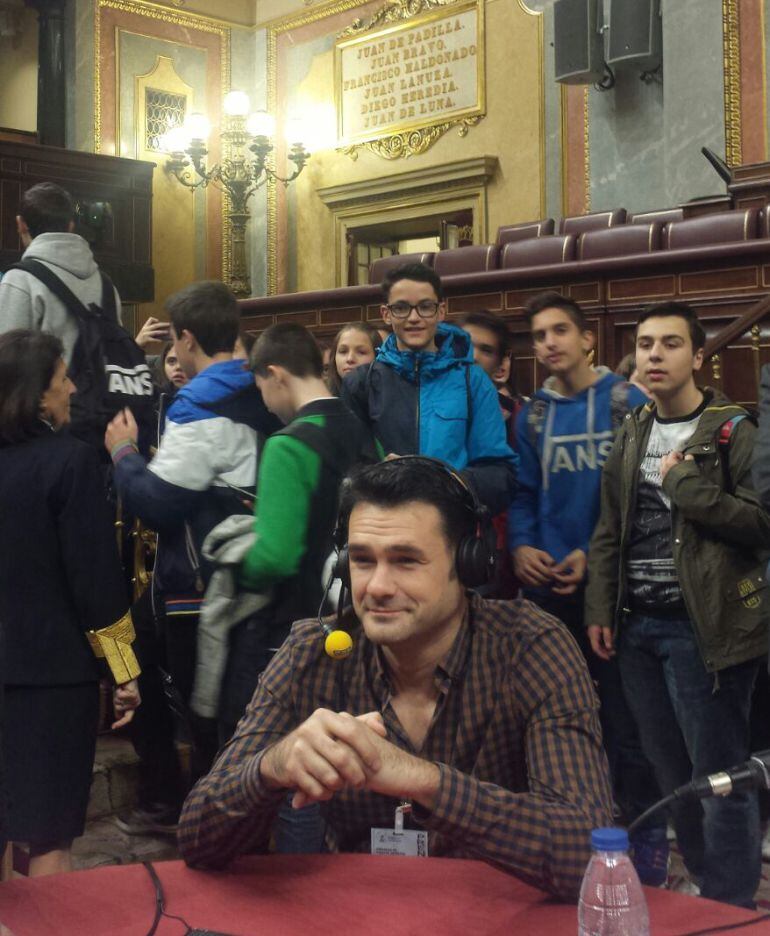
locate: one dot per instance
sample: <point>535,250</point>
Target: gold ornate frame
<point>416,136</point>
<point>195,21</point>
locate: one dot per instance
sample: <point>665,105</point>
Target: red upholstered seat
<point>619,241</point>
<point>379,268</point>
<point>722,227</point>
<point>516,232</point>
<point>476,258</point>
<point>661,214</point>
<point>539,251</point>
<point>579,224</point>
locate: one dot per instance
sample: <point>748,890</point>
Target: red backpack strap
<point>726,430</point>
<point>723,443</point>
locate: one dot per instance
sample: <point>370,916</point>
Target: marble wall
<point>79,68</point>
<point>18,72</point>
<point>256,232</point>
<point>644,139</point>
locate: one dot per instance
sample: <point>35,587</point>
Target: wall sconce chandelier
<point>247,142</point>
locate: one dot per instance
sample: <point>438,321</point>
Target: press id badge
<point>400,841</point>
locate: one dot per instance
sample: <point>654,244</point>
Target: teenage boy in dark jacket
<point>676,588</point>
<point>423,395</point>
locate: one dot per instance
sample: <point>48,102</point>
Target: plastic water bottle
<point>611,898</point>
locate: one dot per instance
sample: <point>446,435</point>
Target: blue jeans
<point>693,723</point>
<point>633,782</point>
<point>298,831</point>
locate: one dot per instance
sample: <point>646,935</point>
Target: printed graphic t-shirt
<point>652,579</point>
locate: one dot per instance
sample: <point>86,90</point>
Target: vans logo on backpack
<point>136,381</point>
<point>107,367</point>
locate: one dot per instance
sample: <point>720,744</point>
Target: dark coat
<point>720,533</point>
<point>60,574</point>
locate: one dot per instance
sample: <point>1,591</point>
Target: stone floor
<point>113,791</point>
<point>105,844</point>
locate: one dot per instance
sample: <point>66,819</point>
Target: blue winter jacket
<point>557,502</point>
<point>439,404</point>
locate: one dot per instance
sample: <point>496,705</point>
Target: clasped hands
<point>536,567</point>
<point>333,751</point>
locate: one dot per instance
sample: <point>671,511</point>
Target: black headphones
<point>475,559</point>
<point>476,555</point>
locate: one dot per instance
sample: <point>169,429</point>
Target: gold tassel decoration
<point>113,644</point>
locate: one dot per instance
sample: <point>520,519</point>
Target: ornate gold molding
<point>394,12</point>
<point>192,18</point>
<point>188,21</point>
<point>732,81</point>
<point>412,142</point>
<point>764,77</point>
<point>587,151</point>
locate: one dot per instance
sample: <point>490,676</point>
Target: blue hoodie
<point>557,502</point>
<point>437,403</point>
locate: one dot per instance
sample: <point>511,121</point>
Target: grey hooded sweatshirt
<point>26,303</point>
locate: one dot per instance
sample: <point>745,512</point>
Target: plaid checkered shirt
<point>516,737</point>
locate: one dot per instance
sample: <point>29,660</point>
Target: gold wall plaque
<point>408,75</point>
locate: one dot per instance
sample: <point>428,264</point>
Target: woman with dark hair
<point>353,345</point>
<point>63,603</point>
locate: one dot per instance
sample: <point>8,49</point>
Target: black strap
<point>468,403</point>
<point>68,298</point>
<point>109,306</point>
<point>328,448</point>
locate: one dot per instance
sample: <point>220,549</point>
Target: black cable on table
<point>727,927</point>
<point>160,903</point>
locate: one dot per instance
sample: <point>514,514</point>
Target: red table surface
<point>319,894</point>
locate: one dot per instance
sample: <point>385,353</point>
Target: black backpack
<point>108,367</point>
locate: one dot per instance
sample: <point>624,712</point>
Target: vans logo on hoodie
<point>134,381</point>
<point>576,453</point>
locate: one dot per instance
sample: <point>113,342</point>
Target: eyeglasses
<point>426,309</point>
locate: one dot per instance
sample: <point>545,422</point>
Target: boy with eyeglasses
<point>423,395</point>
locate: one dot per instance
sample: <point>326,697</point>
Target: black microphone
<point>720,166</point>
<point>753,774</point>
<point>338,643</point>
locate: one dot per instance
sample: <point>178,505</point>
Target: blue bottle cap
<point>609,840</point>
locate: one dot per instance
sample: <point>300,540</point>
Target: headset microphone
<point>338,643</point>
<point>474,561</point>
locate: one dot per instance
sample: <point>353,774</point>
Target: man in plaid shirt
<point>481,714</point>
